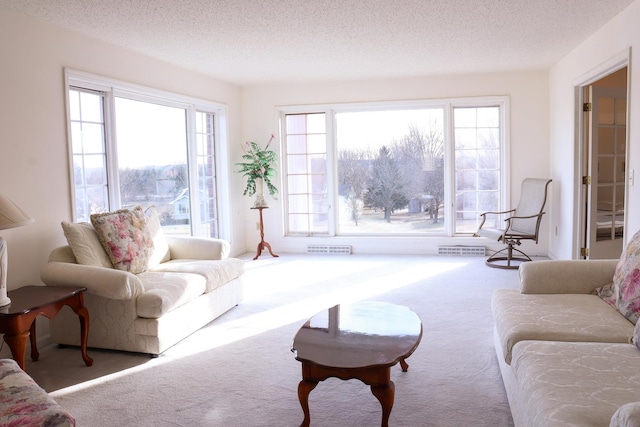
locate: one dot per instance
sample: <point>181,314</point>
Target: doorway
<point>604,165</point>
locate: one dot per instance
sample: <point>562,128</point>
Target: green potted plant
<point>259,166</point>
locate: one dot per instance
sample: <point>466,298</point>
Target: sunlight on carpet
<point>220,334</point>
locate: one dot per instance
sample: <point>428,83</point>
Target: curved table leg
<point>304,388</point>
<point>78,307</point>
<point>404,365</point>
<point>18,346</point>
<point>385,394</point>
<point>32,339</point>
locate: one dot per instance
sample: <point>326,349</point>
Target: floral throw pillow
<point>626,280</point>
<point>125,238</point>
<point>607,294</point>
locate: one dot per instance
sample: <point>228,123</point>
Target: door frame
<point>615,63</point>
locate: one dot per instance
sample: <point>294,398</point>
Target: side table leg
<point>385,394</point>
<point>18,346</point>
<point>78,307</point>
<point>304,388</point>
<point>32,339</point>
<point>83,314</point>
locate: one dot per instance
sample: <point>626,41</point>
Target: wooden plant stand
<point>262,245</point>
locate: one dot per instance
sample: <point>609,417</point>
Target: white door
<point>607,170</point>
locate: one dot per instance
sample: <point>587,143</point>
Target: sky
<point>377,128</point>
<point>147,134</point>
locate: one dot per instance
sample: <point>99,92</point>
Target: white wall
<point>528,92</point>
<point>34,169</point>
<point>603,47</point>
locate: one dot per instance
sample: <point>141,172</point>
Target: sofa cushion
<point>216,272</point>
<point>626,280</point>
<point>125,238</point>
<point>555,317</point>
<point>575,384</point>
<point>166,291</point>
<point>85,245</point>
<point>159,253</point>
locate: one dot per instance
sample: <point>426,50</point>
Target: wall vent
<point>461,250</point>
<point>329,249</point>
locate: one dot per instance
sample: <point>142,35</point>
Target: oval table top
<point>357,335</point>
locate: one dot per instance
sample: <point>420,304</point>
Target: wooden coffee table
<point>17,320</point>
<point>356,341</point>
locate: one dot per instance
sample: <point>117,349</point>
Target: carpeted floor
<point>239,371</point>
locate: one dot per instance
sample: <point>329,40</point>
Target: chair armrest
<point>565,276</point>
<point>484,219</point>
<point>496,213</point>
<point>188,247</point>
<point>104,282</point>
<point>524,217</point>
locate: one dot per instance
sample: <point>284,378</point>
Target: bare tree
<point>136,185</point>
<point>421,156</point>
<point>353,170</point>
<point>141,185</point>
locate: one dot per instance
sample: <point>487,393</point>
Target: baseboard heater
<point>329,249</point>
<point>461,250</point>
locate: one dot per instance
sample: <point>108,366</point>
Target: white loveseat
<point>187,283</point>
<point>565,354</point>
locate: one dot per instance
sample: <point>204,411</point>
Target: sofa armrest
<point>25,403</point>
<point>627,415</point>
<point>187,247</point>
<point>104,282</point>
<point>565,276</point>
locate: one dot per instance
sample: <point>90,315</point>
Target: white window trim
<point>113,88</point>
<point>447,104</point>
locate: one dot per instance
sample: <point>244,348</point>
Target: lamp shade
<point>11,215</point>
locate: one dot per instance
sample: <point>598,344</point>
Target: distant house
<point>181,206</point>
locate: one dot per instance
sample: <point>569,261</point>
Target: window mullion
<point>450,171</point>
<point>192,171</point>
<point>332,172</point>
<point>111,144</point>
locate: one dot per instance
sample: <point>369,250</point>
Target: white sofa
<point>566,356</point>
<point>192,282</point>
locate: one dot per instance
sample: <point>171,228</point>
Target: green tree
<point>386,186</point>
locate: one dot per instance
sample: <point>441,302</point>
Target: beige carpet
<point>239,371</point>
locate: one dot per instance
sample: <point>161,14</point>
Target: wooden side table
<point>262,243</point>
<point>17,320</point>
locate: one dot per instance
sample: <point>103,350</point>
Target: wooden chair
<point>522,224</point>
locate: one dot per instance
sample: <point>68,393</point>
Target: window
<point>89,158</point>
<point>477,153</point>
<point>307,180</point>
<point>141,147</point>
<point>420,168</point>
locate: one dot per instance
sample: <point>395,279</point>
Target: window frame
<point>448,105</point>
<point>112,88</point>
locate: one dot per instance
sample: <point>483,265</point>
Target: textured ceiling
<point>262,41</point>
